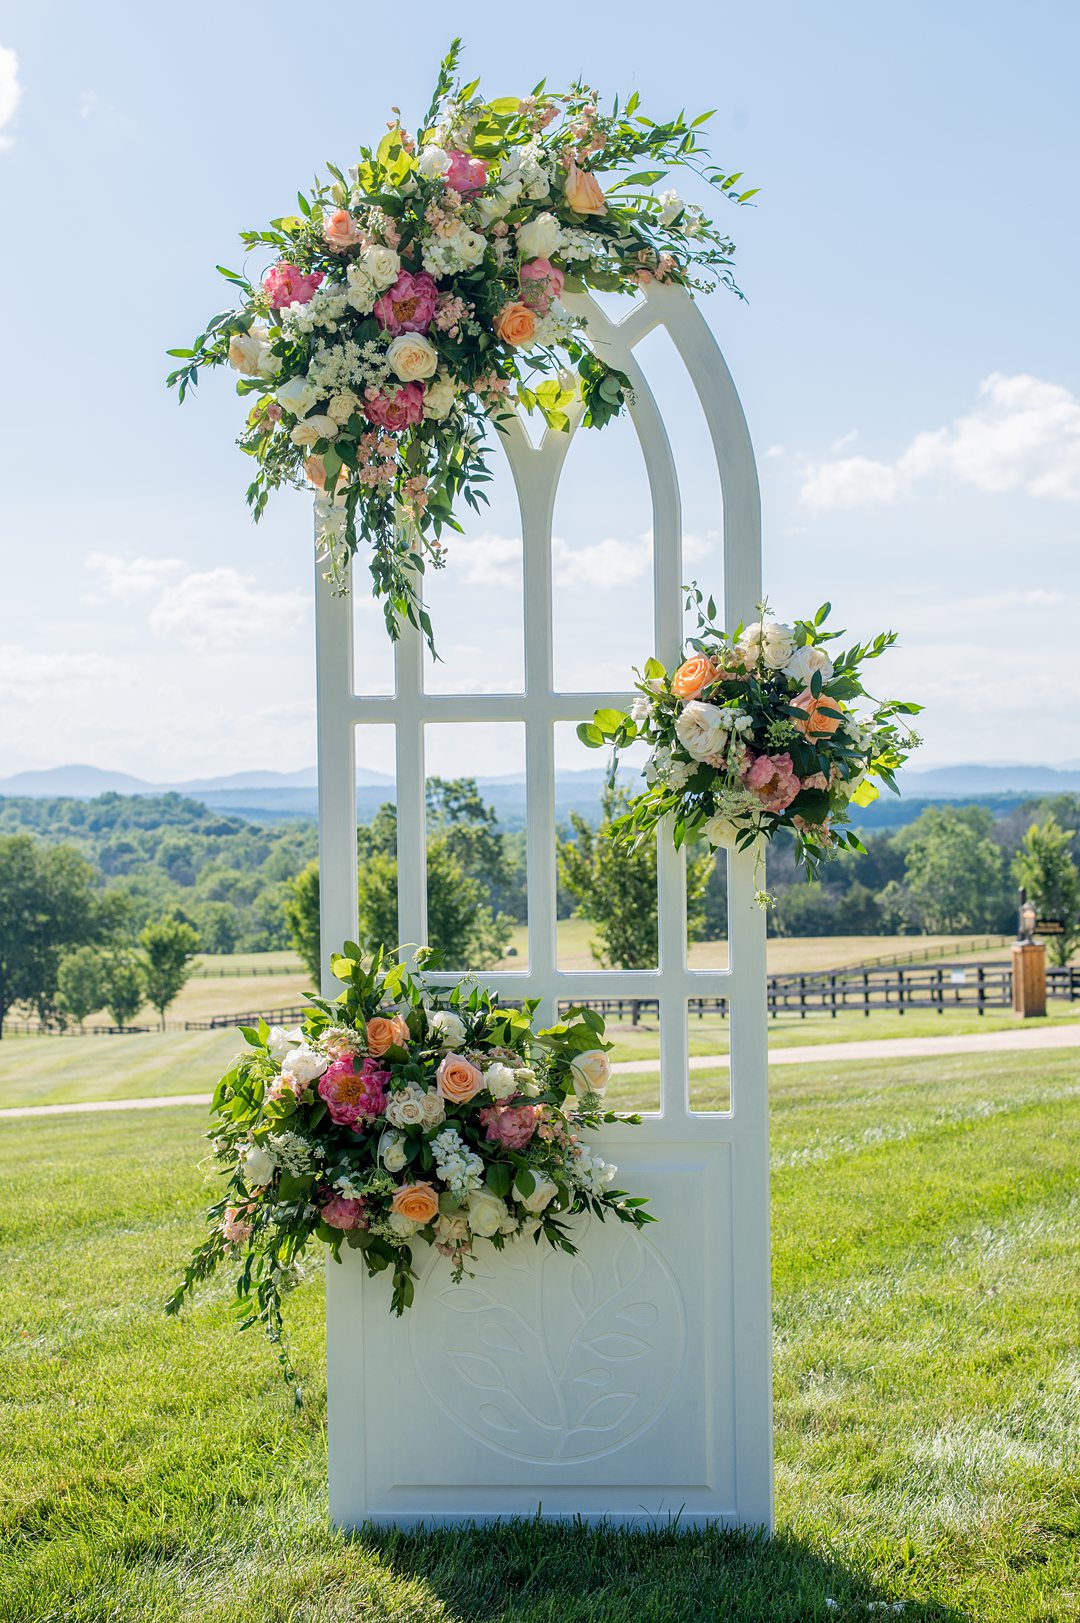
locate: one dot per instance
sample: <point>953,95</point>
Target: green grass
<point>73,1070</point>
<point>927,1376</point>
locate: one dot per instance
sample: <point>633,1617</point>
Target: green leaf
<point>590,735</point>
<point>499,1178</point>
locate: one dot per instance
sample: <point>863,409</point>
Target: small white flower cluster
<point>327,306</point>
<point>457,1166</point>
<point>412,1106</point>
<point>335,367</point>
<point>591,1172</point>
<point>554,328</point>
<point>456,251</point>
<point>525,174</point>
<point>294,1154</point>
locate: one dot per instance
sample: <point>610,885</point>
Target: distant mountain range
<point>268,795</point>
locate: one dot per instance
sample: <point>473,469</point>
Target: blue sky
<point>908,359</point>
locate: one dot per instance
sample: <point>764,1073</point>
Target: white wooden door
<point>635,1381</point>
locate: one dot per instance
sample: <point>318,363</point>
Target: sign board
<point>1049,927</point>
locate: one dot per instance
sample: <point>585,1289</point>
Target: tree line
<point>105,903</point>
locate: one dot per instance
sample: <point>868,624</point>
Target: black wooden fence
<point>940,987</point>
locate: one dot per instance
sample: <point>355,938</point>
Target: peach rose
<point>458,1079</point>
<point>341,231</point>
<point>697,673</point>
<point>416,1201</point>
<point>582,191</point>
<point>817,723</point>
<point>381,1033</point>
<point>515,324</point>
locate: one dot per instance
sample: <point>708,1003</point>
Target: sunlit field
<point>927,1289</point>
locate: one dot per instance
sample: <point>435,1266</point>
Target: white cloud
<point>89,102</point>
<point>132,577</point>
<point>1024,434</point>
<point>215,609</point>
<point>30,672</point>
<point>10,92</point>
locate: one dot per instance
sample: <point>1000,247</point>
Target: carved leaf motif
<point>500,1339</point>
<point>582,1286</point>
<point>605,1412</point>
<point>642,1314</point>
<point>477,1370</point>
<point>630,1263</point>
<point>495,1417</point>
<point>597,1376</point>
<point>465,1299</point>
<point>615,1345</point>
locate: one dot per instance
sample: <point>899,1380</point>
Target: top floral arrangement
<point>419,295</point>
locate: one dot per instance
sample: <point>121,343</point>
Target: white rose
<point>449,1029</point>
<point>526,1082</point>
<point>485,1212</point>
<point>316,427</point>
<point>412,357</point>
<point>258,1166</point>
<point>439,397</point>
<point>539,238</point>
<point>434,1108</point>
<point>392,1152</point>
<point>362,291</point>
<point>433,162</point>
<point>451,1231</point>
<point>401,1225</point>
<point>768,641</point>
<point>591,1071</point>
<point>244,352</point>
<point>702,729</point>
<point>342,406</point>
<point>500,1081</point>
<point>471,246</point>
<point>304,1064</point>
<point>382,265</point>
<point>804,662</point>
<point>490,209</point>
<point>543,1193</point>
<point>297,396</point>
<point>405,1110</point>
<point>280,1041</point>
<point>671,206</point>
<point>720,831</point>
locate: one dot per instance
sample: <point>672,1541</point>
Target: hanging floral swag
<point>396,1113</point>
<point>757,731</point>
<point>419,296</point>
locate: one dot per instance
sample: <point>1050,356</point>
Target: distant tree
<point>1044,866</point>
<point>124,987</point>
<point>48,905</point>
<point>302,917</point>
<point>617,891</point>
<point>462,841</point>
<point>953,870</point>
<point>217,926</point>
<point>168,947</point>
<point>80,983</point>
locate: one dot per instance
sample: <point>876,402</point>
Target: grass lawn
<point>927,1380</point>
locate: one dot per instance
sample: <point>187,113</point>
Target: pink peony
<point>466,174</point>
<point>509,1125</point>
<point>541,281</point>
<point>286,284</point>
<point>409,305</point>
<point>397,409</point>
<point>354,1097</point>
<point>772,779</point>
<point>342,1213</point>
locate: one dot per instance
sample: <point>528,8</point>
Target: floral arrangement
<point>395,1114</point>
<point>758,731</point>
<point>416,297</point>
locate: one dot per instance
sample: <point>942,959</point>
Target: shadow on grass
<point>544,1572</point>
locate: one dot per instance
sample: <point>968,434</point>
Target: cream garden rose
<point>316,427</point>
<point>439,397</point>
<point>539,1197</point>
<point>485,1212</point>
<point>591,1071</point>
<point>806,662</point>
<point>702,729</point>
<point>539,238</point>
<point>448,1027</point>
<point>297,396</point>
<point>413,358</point>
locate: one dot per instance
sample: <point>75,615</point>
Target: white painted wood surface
<point>634,1383</point>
